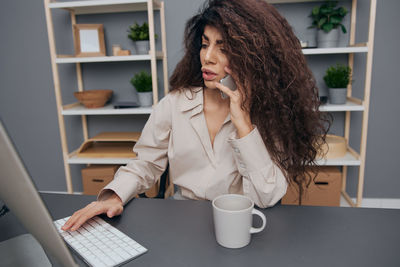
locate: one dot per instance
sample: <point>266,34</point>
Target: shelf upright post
<point>367,94</point>
<point>164,48</point>
<point>57,89</point>
<point>79,78</point>
<point>352,41</point>
<point>150,14</point>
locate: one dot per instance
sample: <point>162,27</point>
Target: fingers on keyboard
<point>82,215</point>
<point>81,219</point>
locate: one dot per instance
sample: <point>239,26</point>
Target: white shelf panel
<point>79,160</point>
<point>348,160</point>
<point>106,110</point>
<point>72,59</point>
<point>335,50</point>
<point>349,106</point>
<point>104,6</point>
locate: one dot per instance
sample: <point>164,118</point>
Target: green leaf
<point>315,11</point>
<point>335,12</point>
<point>335,20</point>
<point>343,11</point>
<point>325,10</point>
<point>343,28</point>
<point>327,27</point>
<point>321,22</point>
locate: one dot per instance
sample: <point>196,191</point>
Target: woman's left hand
<point>240,117</point>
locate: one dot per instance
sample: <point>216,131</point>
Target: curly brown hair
<point>267,59</point>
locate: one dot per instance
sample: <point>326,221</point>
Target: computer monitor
<point>18,192</point>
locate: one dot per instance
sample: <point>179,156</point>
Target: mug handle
<point>254,230</point>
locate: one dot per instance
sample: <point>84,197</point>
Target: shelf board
<point>72,59</point>
<point>335,50</point>
<point>349,106</point>
<point>104,6</point>
<point>348,160</point>
<point>79,109</point>
<point>73,159</point>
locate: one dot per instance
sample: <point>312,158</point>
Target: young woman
<point>254,142</point>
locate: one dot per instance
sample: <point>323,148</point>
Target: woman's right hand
<point>112,206</point>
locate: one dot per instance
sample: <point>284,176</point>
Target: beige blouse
<point>177,132</point>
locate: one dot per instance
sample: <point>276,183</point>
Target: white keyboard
<point>101,244</point>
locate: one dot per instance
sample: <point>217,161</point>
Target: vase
<point>142,47</point>
<point>330,39</point>
<point>337,96</point>
<point>145,99</point>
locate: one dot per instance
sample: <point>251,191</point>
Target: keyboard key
<point>122,253</point>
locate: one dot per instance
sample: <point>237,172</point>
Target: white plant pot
<point>337,96</point>
<point>145,99</point>
<point>330,39</point>
<point>142,47</point>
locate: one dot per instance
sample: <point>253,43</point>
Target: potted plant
<point>337,78</point>
<point>140,35</point>
<point>327,18</point>
<point>144,86</point>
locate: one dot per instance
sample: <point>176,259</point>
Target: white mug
<point>233,219</point>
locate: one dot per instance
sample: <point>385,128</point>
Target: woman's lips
<point>208,75</point>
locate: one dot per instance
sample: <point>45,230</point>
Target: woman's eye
<point>203,46</point>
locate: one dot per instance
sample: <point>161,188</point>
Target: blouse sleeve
<point>263,180</point>
<point>142,172</point>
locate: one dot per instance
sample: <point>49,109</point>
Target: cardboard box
<point>94,178</point>
<point>324,190</point>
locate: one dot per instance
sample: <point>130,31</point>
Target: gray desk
<point>180,233</point>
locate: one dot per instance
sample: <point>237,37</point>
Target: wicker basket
<point>94,98</point>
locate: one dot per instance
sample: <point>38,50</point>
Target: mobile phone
<point>228,82</point>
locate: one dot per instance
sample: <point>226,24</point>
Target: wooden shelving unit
<point>75,8</point>
<point>352,158</point>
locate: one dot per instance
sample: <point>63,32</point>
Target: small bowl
<point>94,98</point>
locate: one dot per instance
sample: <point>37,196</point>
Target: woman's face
<point>212,57</point>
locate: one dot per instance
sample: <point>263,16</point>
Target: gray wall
<point>27,101</point>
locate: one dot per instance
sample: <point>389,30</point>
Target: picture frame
<point>89,40</point>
